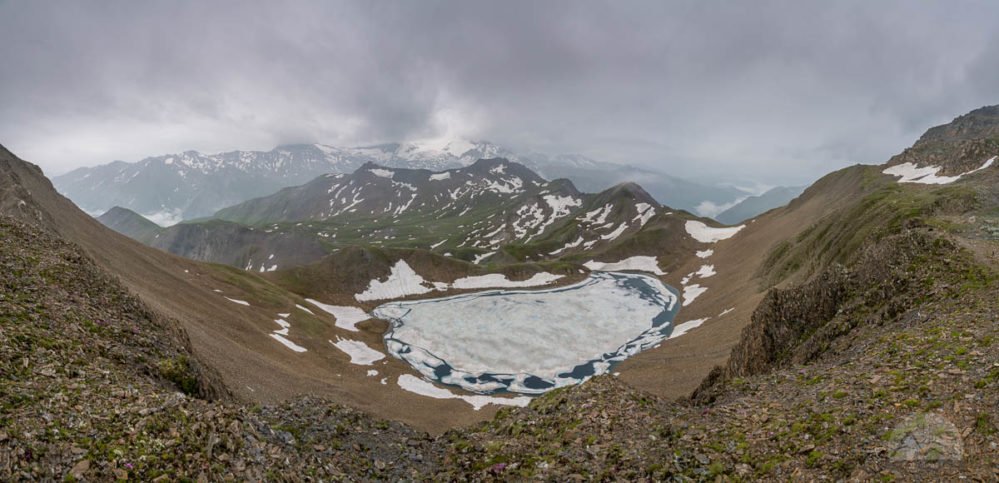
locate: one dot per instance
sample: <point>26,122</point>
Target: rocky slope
<point>221,242</point>
<point>959,146</point>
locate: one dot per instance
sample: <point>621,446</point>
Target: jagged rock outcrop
<point>958,146</point>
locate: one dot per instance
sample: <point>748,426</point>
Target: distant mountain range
<point>755,205</point>
<point>170,188</point>
<point>493,209</point>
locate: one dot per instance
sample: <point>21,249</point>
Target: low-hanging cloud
<point>771,91</point>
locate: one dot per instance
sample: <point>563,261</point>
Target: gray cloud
<point>779,92</point>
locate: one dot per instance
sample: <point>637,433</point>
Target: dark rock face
<point>784,319</point>
<point>797,325</point>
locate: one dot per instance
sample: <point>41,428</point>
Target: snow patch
<point>237,301</point>
<point>705,253</point>
<point>384,173</point>
<point>687,326</point>
<point>402,281</point>
<point>639,263</point>
<point>706,234</point>
<point>691,292</point>
<point>346,317</point>
<point>440,176</point>
<point>479,258</point>
<point>358,351</point>
<point>910,173</point>
<point>645,213</point>
<point>706,271</point>
<point>616,233</point>
<point>287,343</point>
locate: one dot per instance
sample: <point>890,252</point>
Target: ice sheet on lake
<point>530,341</point>
<point>706,234</point>
<point>346,317</point>
<point>358,351</point>
<point>498,280</point>
<point>419,386</point>
<point>639,263</point>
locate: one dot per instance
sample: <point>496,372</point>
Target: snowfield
<point>706,234</point>
<point>358,351</point>
<point>287,343</point>
<point>237,301</point>
<point>910,173</point>
<point>402,281</point>
<point>346,317</point>
<point>691,292</point>
<point>639,263</point>
<point>531,341</point>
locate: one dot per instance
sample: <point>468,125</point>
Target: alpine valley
<point>458,311</point>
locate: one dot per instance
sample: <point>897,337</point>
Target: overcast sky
<point>779,92</point>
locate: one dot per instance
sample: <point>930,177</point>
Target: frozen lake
<point>531,341</point>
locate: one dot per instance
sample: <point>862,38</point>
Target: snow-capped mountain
<point>475,213</point>
<point>481,207</point>
<point>188,185</point>
<point>175,187</point>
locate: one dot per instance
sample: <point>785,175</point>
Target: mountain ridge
<point>188,185</point>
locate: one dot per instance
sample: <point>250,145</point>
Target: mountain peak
<point>959,146</point>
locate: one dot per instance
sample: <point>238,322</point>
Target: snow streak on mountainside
<point>484,206</point>
<point>494,210</point>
